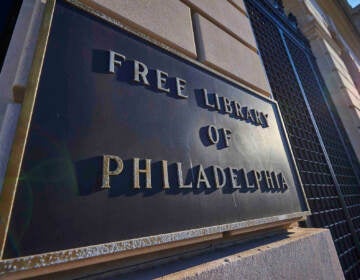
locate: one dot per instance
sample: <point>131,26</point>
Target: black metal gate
<point>327,164</point>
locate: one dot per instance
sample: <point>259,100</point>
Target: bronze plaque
<point>128,141</point>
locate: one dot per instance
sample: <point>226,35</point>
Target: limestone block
<point>239,3</point>
<point>28,51</point>
<point>337,81</point>
<point>354,99</point>
<point>347,82</point>
<point>7,133</point>
<point>223,52</point>
<point>333,81</point>
<point>166,20</point>
<point>353,67</point>
<point>349,117</point>
<point>225,15</point>
<point>313,257</point>
<point>351,101</point>
<point>302,254</point>
<point>336,61</point>
<point>18,48</point>
<point>357,115</point>
<point>324,52</point>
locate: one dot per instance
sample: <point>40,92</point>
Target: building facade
<point>271,85</point>
<point>355,16</point>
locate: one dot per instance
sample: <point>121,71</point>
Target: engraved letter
<point>161,80</point>
<point>275,180</point>
<point>217,102</point>
<point>213,134</point>
<point>106,169</point>
<point>202,178</point>
<point>227,133</point>
<point>216,170</point>
<point>165,174</point>
<point>268,180</point>
<point>257,117</point>
<point>263,119</point>
<point>113,60</point>
<point>246,180</point>
<point>140,70</point>
<point>238,110</point>
<point>248,115</point>
<point>180,86</point>
<point>137,172</point>
<point>227,105</point>
<point>283,184</point>
<point>180,178</point>
<point>233,179</point>
<point>206,99</point>
<point>257,178</point>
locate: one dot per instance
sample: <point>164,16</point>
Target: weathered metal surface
<point>83,112</point>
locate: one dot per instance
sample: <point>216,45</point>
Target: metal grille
<point>351,153</point>
<point>343,170</point>
<point>329,208</point>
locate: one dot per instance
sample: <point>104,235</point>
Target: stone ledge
<point>20,52</point>
<point>302,254</point>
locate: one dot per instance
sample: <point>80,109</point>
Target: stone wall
<point>218,33</point>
